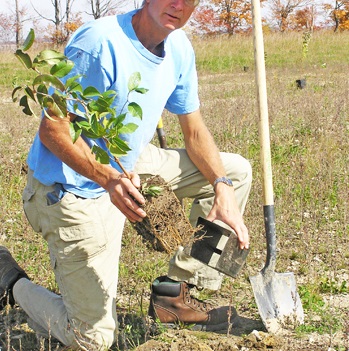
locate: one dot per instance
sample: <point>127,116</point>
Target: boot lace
<point>196,303</point>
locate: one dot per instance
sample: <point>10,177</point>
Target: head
<point>170,14</point>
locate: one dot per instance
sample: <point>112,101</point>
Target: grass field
<point>309,141</point>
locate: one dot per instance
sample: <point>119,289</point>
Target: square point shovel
<point>276,294</point>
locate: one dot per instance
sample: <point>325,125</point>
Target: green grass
<point>309,141</point>
<point>230,54</point>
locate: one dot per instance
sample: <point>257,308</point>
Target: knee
<point>239,169</point>
<point>247,170</point>
<point>93,338</point>
<point>96,341</point>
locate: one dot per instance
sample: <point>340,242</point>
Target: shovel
<point>276,294</point>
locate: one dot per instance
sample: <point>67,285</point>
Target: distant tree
<point>303,19</point>
<point>65,21</point>
<point>280,11</point>
<point>205,20</point>
<point>62,13</point>
<point>339,14</point>
<point>18,24</point>
<point>11,23</point>
<point>7,27</point>
<point>101,8</point>
<point>234,14</point>
<point>223,16</point>
<point>61,36</point>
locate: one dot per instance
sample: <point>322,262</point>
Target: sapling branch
<point>98,118</point>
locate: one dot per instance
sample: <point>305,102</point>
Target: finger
<point>243,237</point>
<point>136,181</point>
<point>136,196</point>
<point>133,206</point>
<point>132,213</point>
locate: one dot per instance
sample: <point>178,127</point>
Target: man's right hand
<point>125,196</point>
<point>55,135</point>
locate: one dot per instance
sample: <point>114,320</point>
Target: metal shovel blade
<point>278,301</point>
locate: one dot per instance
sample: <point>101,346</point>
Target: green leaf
<point>135,110</point>
<point>30,93</point>
<point>48,57</point>
<point>24,58</point>
<point>91,92</point>
<point>75,131</point>
<point>134,81</point>
<point>83,124</point>
<point>61,103</point>
<point>49,80</point>
<point>28,41</point>
<point>99,106</point>
<point>62,68</point>
<point>118,147</point>
<point>101,155</point>
<point>94,124</point>
<point>72,80</point>
<point>76,109</point>
<point>152,190</point>
<point>141,90</point>
<point>15,93</point>
<point>41,92</point>
<point>24,103</point>
<point>128,128</point>
<point>115,122</point>
<point>110,93</point>
<point>73,86</point>
<point>54,108</point>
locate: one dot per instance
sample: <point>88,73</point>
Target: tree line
<point>211,17</point>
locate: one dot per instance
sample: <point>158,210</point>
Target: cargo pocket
<point>30,208</point>
<point>80,242</point>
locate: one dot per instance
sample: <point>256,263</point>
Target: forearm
<point>123,192</point>
<point>203,152</point>
<point>55,135</point>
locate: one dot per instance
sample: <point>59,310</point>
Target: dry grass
<point>309,140</point>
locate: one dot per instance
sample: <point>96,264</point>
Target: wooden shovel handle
<point>268,200</point>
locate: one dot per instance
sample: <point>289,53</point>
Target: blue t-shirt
<point>107,52</point>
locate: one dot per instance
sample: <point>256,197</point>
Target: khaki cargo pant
<point>84,240</point>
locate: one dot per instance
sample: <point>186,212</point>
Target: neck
<point>151,37</point>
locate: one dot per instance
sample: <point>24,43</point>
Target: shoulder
<point>179,44</point>
<point>93,35</point>
<point>179,36</point>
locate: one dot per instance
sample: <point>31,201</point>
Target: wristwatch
<point>224,180</point>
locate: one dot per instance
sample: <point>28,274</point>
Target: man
<point>80,205</point>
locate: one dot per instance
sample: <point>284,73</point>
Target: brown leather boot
<point>172,305</point>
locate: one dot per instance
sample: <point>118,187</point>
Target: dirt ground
<point>166,219</point>
<point>249,334</point>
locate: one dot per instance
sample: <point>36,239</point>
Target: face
<point>171,14</point>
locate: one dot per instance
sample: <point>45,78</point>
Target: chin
<point>171,27</point>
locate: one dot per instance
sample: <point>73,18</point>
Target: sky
<point>46,9</point>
